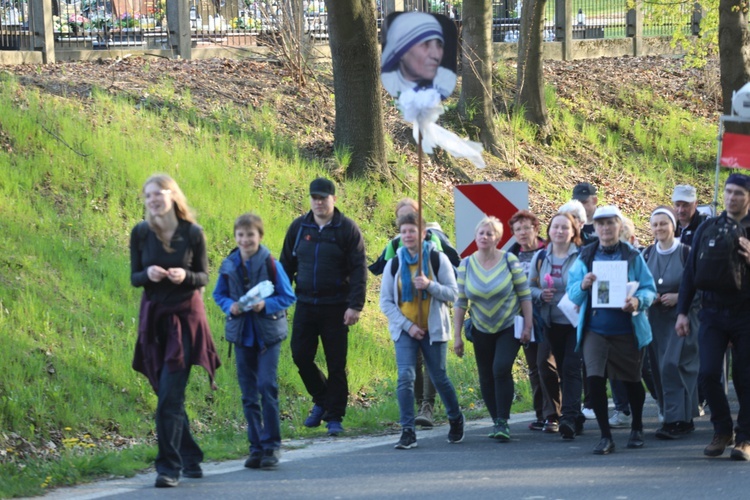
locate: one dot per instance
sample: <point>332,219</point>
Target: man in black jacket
<point>324,254</point>
<point>725,319</point>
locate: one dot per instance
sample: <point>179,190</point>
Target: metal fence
<point>106,24</point>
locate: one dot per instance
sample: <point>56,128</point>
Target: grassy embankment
<point>67,309</point>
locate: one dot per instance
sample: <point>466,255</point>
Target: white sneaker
<point>619,419</point>
<point>660,417</point>
<point>588,413</point>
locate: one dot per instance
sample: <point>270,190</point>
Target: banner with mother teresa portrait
<point>418,68</point>
<point>419,52</point>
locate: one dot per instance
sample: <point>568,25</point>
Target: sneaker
<point>668,431</point>
<point>551,427</point>
<point>270,459</point>
<point>424,417</point>
<point>335,428</point>
<point>193,471</point>
<point>702,410</point>
<point>675,430</point>
<point>165,481</point>
<point>567,428</point>
<point>253,461</point>
<point>408,440</point>
<point>315,417</point>
<point>619,419</point>
<point>660,417</point>
<point>718,445</point>
<point>536,425</point>
<point>501,430</point>
<point>456,432</point>
<point>588,413</point>
<point>741,451</point>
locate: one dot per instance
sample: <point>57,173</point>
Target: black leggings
<point>598,392</point>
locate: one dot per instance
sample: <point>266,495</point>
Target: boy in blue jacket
<point>256,335</point>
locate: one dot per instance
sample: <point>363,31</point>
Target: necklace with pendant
<point>661,271</point>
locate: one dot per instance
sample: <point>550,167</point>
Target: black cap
<point>322,187</point>
<point>583,190</point>
<point>740,180</point>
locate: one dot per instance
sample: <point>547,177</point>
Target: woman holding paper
<point>612,333</point>
<point>256,330</point>
<point>494,283</point>
<point>168,259</point>
<point>676,358</point>
<point>547,279</point>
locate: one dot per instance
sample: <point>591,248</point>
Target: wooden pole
<point>419,225</point>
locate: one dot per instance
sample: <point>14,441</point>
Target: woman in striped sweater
<point>494,284</point>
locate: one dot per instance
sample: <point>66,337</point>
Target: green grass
<point>67,309</point>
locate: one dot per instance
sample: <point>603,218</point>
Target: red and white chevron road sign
<point>475,201</point>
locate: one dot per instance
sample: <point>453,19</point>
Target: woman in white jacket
<point>415,303</point>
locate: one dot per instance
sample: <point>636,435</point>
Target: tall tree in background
<point>530,75</point>
<point>356,82</point>
<point>475,103</point>
<point>734,48</point>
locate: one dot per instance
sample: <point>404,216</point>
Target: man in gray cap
<point>324,254</point>
<point>586,194</point>
<point>686,208</point>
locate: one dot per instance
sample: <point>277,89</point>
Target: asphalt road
<point>532,466</point>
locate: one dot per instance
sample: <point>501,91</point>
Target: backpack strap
<point>648,251</point>
<point>540,257</point>
<point>684,254</point>
<point>271,268</point>
<point>296,240</point>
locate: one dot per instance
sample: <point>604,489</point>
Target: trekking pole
<point>419,225</point>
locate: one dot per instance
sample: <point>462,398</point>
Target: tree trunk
<point>356,82</point>
<point>475,104</point>
<point>530,76</point>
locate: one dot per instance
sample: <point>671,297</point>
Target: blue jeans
<point>257,375</point>
<point>177,448</point>
<point>434,360</point>
<point>719,326</point>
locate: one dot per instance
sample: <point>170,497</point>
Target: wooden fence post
<point>178,23</point>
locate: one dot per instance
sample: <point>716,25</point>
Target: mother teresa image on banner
<point>419,52</point>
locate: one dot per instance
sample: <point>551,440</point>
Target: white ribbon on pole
<point>422,108</point>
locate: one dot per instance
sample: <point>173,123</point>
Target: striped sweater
<point>495,294</point>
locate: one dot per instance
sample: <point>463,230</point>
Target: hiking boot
<point>315,417</point>
<point>536,425</point>
<point>165,481</point>
<point>408,440</point>
<point>619,419</point>
<point>193,471</point>
<point>567,428</point>
<point>335,428</point>
<point>718,445</point>
<point>270,459</point>
<point>551,427</point>
<point>741,451</point>
<point>456,432</point>
<point>501,430</point>
<point>424,417</point>
<point>668,431</point>
<point>253,461</point>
